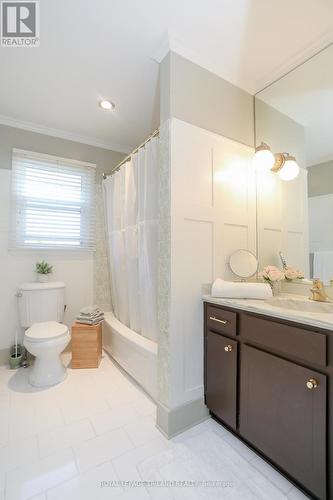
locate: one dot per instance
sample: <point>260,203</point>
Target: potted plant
<point>43,269</point>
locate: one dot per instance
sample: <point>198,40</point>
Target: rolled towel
<point>240,290</point>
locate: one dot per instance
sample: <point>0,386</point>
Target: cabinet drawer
<point>221,320</point>
<point>289,340</point>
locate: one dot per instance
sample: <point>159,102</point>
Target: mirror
<point>243,264</point>
<point>295,115</point>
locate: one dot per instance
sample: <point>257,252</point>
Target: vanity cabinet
<point>269,381</point>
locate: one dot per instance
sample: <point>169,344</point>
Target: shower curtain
<point>131,204</point>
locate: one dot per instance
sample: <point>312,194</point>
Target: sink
<point>302,304</point>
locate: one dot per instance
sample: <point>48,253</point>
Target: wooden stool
<point>86,345</point>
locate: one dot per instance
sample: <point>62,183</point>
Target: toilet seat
<point>48,330</point>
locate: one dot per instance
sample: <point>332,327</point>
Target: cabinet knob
<point>312,383</point>
<point>228,348</point>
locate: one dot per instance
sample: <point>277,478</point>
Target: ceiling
<point>89,50</point>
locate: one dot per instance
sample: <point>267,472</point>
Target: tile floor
<point>97,426</point>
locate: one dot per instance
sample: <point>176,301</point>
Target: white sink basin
<point>301,304</point>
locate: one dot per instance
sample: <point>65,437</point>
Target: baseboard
<point>173,422</point>
<point>4,356</point>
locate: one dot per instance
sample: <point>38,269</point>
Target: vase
<point>276,288</point>
<point>42,278</point>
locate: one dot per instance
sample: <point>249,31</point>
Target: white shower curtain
<point>131,204</point>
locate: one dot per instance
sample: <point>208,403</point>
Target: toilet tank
<point>41,302</point>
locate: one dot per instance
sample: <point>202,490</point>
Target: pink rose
<point>291,273</point>
<point>272,273</point>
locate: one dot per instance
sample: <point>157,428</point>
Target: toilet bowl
<point>46,341</point>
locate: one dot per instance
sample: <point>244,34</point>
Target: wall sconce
<point>283,164</point>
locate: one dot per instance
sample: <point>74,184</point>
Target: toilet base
<point>47,371</point>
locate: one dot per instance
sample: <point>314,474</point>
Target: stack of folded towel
<point>90,315</point>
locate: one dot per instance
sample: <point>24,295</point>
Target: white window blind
<point>53,202</point>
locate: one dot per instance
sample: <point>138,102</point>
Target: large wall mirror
<point>295,115</point>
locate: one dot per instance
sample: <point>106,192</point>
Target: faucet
<point>318,291</point>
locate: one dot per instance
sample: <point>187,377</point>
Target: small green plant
<point>43,268</point>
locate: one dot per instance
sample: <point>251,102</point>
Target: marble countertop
<point>320,320</point>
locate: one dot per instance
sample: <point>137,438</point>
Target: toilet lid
<point>46,331</point>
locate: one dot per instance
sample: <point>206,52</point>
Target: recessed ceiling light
<point>105,104</point>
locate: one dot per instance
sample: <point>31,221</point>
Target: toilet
<point>41,311</point>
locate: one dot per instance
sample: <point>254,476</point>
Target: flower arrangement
<point>291,273</point>
<point>272,274</point>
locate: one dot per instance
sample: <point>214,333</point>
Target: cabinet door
<point>283,414</point>
<point>221,377</point>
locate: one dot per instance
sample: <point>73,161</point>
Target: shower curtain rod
<point>117,167</point>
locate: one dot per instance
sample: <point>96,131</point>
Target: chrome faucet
<point>318,291</point>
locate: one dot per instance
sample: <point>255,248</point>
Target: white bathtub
<point>135,353</point>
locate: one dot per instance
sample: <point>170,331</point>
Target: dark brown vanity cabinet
<point>268,380</point>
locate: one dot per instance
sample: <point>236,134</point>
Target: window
<point>53,202</point>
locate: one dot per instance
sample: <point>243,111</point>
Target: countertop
<point>319,320</point>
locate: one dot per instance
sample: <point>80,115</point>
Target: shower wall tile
<point>102,293</point>
<point>164,264</point>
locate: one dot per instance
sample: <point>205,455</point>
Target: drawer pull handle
<point>228,348</point>
<point>218,320</point>
<point>312,384</point>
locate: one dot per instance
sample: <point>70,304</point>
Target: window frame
<point>19,237</point>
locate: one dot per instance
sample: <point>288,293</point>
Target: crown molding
<point>172,43</point>
<point>162,49</point>
<point>294,62</point>
<point>62,134</point>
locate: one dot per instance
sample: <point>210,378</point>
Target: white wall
<point>282,218</point>
<point>212,214</point>
<point>75,269</point>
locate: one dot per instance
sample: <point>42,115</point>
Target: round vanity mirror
<point>243,264</point>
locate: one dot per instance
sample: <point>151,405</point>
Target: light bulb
<point>290,169</point>
<point>263,159</point>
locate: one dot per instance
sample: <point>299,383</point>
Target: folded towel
<point>85,321</point>
<point>90,310</point>
<point>90,319</point>
<point>240,290</point>
<point>91,316</point>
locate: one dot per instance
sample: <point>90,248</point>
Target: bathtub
<point>135,353</point>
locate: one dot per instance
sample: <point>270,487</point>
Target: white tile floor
<point>62,442</point>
